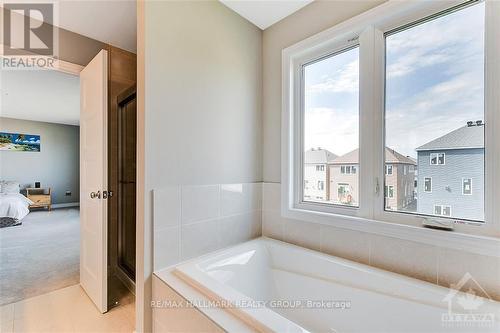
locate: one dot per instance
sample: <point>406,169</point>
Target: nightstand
<point>40,197</point>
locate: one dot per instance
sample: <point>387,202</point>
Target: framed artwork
<point>19,142</point>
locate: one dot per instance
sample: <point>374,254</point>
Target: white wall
<point>56,165</point>
<point>203,83</point>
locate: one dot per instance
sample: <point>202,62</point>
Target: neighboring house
<point>451,174</point>
<point>400,177</point>
<point>316,174</point>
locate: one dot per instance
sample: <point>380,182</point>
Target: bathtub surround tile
<point>167,207</point>
<point>208,217</point>
<point>273,225</point>
<point>199,238</point>
<point>178,319</point>
<point>271,197</point>
<point>234,229</point>
<point>348,244</point>
<point>240,198</point>
<point>485,270</point>
<point>167,242</point>
<point>303,234</point>
<point>404,257</point>
<point>256,224</point>
<point>200,203</point>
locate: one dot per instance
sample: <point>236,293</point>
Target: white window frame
<point>367,30</point>
<point>463,180</point>
<point>425,178</point>
<point>387,167</point>
<point>442,209</point>
<point>437,158</point>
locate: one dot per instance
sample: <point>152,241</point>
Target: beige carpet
<point>41,255</point>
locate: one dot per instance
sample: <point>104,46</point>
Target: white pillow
<point>10,187</point>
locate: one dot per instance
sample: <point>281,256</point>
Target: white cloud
<point>345,79</point>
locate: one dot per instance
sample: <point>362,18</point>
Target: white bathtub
<point>349,297</point>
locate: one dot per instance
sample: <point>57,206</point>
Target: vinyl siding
<point>447,183</point>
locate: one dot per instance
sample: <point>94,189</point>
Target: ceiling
<point>265,13</point>
<point>40,95</point>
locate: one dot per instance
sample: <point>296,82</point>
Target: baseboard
<point>67,204</point>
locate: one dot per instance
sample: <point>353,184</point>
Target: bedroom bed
<point>13,205</point>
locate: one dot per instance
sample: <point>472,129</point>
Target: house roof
<point>391,156</point>
<point>319,156</point>
<point>466,137</point>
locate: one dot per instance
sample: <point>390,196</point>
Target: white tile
<point>405,257</point>
<point>235,229</point>
<point>199,238</point>
<point>167,207</point>
<point>166,247</point>
<point>200,203</point>
<point>348,244</point>
<point>256,224</point>
<point>271,197</point>
<point>235,199</point>
<point>272,225</point>
<point>305,234</point>
<point>485,271</point>
<point>240,198</point>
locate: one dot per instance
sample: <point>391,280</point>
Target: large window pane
<point>434,115</point>
<point>331,129</point>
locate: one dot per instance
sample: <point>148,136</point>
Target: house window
<point>389,191</point>
<point>466,186</point>
<point>321,185</point>
<point>320,168</point>
<point>331,107</point>
<point>427,184</point>
<point>437,158</point>
<point>442,210</point>
<point>401,78</point>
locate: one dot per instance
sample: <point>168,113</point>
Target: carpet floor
<point>41,255</point>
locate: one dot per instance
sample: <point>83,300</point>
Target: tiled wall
<point>434,264</point>
<point>193,220</point>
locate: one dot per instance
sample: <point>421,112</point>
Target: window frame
<point>463,189</point>
<point>437,158</point>
<point>425,178</point>
<point>367,31</point>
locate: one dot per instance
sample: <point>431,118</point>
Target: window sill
<point>483,245</point>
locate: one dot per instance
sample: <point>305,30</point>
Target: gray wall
<point>459,163</point>
<point>56,165</point>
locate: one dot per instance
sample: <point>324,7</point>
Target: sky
<point>434,85</point>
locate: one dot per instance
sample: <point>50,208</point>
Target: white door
<point>94,180</point>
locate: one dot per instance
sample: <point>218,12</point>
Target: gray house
<point>451,174</point>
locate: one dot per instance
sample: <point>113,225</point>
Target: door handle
<point>94,195</point>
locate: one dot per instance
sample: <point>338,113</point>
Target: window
<point>427,184</point>
<point>442,210</point>
<point>389,191</point>
<point>467,186</point>
<point>418,99</point>
<point>331,113</point>
<point>437,158</point>
<point>412,79</point>
<point>321,185</point>
<point>320,168</point>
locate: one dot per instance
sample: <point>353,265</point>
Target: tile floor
<point>65,310</point>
